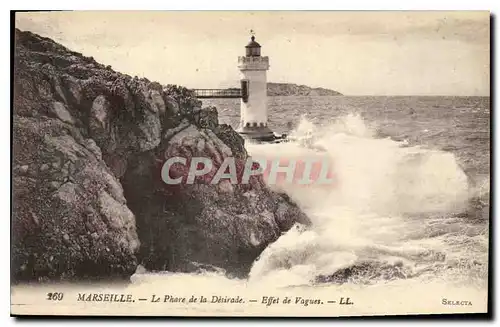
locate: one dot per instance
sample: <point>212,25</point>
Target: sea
<point>410,208</point>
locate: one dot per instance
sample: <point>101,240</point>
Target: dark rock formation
<point>367,272</point>
<point>89,201</point>
<point>287,89</point>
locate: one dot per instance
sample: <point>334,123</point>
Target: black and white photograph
<point>250,163</point>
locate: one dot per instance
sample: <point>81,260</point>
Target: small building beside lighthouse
<point>253,111</point>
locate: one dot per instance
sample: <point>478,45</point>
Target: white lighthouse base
<point>257,133</point>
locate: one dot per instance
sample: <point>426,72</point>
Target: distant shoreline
<point>395,96</point>
<point>290,89</point>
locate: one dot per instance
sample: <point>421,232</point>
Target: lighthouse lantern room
<point>253,116</point>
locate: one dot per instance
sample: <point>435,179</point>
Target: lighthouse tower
<point>253,115</point>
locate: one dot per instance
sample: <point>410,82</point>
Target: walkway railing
<point>217,93</point>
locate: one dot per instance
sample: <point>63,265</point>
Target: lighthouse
<point>253,111</point>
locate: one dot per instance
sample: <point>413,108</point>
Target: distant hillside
<point>284,89</point>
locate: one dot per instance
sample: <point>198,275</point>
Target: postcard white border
<point>492,5</point>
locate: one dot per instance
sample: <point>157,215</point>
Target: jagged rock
<point>226,225</point>
<point>23,169</point>
<point>99,207</point>
<point>232,139</point>
<point>59,198</point>
<point>367,272</point>
<point>206,117</point>
<point>62,113</point>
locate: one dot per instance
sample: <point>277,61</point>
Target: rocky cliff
<point>88,199</point>
<point>287,89</point>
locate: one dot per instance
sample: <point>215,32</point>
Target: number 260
<point>55,296</point>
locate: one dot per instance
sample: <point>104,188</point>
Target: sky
<point>355,53</point>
